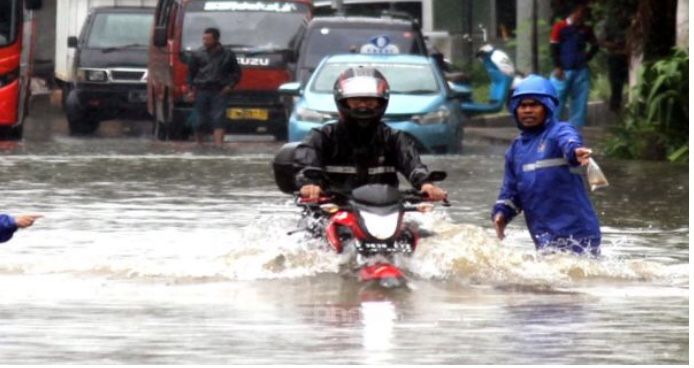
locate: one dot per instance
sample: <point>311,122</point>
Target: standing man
<point>10,224</point>
<point>613,38</point>
<point>212,74</point>
<point>540,177</point>
<point>571,77</point>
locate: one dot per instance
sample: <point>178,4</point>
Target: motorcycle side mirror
<point>437,176</point>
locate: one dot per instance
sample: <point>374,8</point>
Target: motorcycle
<point>368,222</point>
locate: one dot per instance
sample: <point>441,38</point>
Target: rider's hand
<point>433,192</point>
<point>559,73</point>
<point>24,221</point>
<point>500,225</point>
<point>310,191</point>
<point>583,155</point>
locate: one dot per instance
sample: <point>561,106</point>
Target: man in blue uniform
<point>571,76</point>
<point>540,175</point>
<point>10,224</point>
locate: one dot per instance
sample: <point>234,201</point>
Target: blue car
<point>421,102</point>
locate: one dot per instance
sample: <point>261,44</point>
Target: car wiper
<point>237,46</point>
<point>415,92</point>
<point>111,49</point>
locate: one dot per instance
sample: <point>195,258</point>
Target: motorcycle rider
<point>359,148</point>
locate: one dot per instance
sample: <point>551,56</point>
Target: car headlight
<point>380,226</point>
<point>439,116</point>
<point>312,116</point>
<point>91,75</point>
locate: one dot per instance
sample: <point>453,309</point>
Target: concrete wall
<point>683,23</point>
<point>524,30</point>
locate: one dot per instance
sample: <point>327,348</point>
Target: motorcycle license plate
<point>248,114</point>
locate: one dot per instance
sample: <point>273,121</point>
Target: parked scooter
<point>502,74</point>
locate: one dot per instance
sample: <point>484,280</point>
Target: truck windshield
<point>245,25</point>
<point>9,21</point>
<point>323,41</point>
<point>414,79</point>
<point>115,30</point>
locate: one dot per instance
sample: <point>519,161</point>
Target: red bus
<point>264,35</point>
<point>16,49</point>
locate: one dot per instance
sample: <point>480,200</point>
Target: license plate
<point>137,96</point>
<point>247,114</point>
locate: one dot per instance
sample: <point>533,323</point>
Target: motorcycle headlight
<point>439,116</point>
<point>91,75</point>
<point>380,226</point>
<point>312,116</point>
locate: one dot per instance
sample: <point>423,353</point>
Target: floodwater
<point>167,253</point>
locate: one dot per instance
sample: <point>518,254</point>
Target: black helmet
<point>361,82</point>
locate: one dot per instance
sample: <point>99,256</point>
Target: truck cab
<point>264,36</point>
<point>109,68</point>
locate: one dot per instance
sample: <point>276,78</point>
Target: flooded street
<point>158,253</point>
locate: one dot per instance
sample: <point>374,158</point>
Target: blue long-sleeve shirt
<point>7,227</point>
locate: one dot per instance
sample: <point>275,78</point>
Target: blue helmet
<point>534,86</point>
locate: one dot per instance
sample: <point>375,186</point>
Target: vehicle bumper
<point>115,100</point>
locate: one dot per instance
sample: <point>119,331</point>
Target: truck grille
<point>128,75</point>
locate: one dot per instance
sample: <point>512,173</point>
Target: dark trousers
<point>210,108</point>
<point>618,73</point>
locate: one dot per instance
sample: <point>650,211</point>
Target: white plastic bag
<point>596,179</point>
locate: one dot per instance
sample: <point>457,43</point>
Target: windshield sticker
<point>277,7</point>
<point>380,45</point>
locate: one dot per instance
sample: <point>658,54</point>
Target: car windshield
<point>245,25</point>
<point>113,30</point>
<point>328,41</point>
<point>402,78</point>
<point>8,21</point>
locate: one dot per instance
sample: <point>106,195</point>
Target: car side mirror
<point>33,4</point>
<point>72,42</point>
<point>290,89</point>
<point>159,38</point>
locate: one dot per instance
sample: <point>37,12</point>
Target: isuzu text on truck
<point>263,34</point>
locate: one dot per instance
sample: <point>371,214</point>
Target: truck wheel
<point>12,133</point>
<point>82,127</point>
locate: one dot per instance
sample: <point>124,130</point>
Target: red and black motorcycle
<point>369,221</point>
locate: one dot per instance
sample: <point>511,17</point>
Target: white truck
<point>70,15</point>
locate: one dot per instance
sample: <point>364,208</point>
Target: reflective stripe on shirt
<point>541,164</point>
<point>353,170</point>
<point>509,203</point>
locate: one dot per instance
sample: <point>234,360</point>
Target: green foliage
<point>656,121</point>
